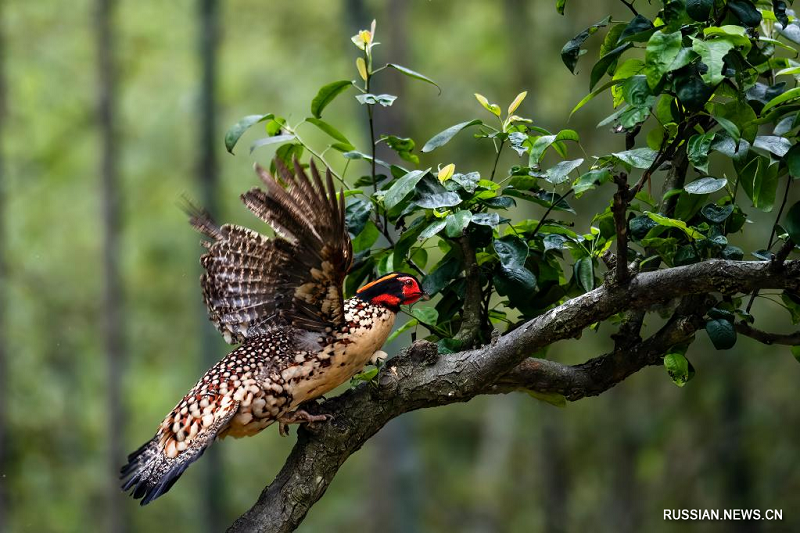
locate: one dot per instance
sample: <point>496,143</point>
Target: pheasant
<point>281,300</point>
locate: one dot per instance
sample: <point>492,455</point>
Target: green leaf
<point>584,273</point>
<point>434,228</point>
<point>486,219</point>
<point>511,250</point>
<point>746,12</point>
<point>277,139</point>
<point>456,222</point>
<point>366,238</point>
<point>679,368</point>
<point>560,5</point>
<point>793,161</point>
<point>414,74</point>
<point>697,150</point>
<point>759,180</point>
<point>706,185</point>
<point>638,29</point>
<point>553,398</point>
<point>600,68</point>
<point>662,50</point>
<point>722,333</point>
<point>402,329</point>
<point>402,187</point>
<point>590,180</point>
<point>372,99</point>
<point>541,144</point>
<point>326,95</point>
<point>699,10</point>
<point>559,173</point>
<point>711,54</point>
<point>638,157</point>
<point>661,220</point>
<point>717,214</point>
<point>730,128</point>
<point>791,94</point>
<point>431,194</point>
<point>572,50</point>
<point>796,352</point>
<point>791,223</point>
<point>444,137</point>
<point>773,144</point>
<point>692,91</point>
<point>236,131</point>
<point>594,93</point>
<point>330,130</point>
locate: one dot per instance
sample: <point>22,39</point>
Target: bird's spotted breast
<point>366,328</point>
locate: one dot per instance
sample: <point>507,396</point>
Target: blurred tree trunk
<point>556,475</point>
<point>395,489</point>
<point>737,475</point>
<point>624,497</point>
<point>213,495</point>
<point>4,462</point>
<point>112,291</point>
<point>498,429</point>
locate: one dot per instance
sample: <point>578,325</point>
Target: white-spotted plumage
<point>282,298</point>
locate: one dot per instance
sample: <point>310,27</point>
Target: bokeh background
<point>102,323</point>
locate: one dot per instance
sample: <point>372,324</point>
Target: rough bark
<point>111,221</point>
<point>420,378</point>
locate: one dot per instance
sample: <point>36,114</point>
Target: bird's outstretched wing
<point>252,281</point>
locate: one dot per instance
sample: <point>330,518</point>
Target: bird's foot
<point>378,358</point>
<point>299,416</point>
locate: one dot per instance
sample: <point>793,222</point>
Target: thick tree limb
<point>420,378</point>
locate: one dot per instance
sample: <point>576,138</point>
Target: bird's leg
<point>299,416</point>
<point>378,358</point>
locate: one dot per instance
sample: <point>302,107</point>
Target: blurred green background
<point>509,463</point>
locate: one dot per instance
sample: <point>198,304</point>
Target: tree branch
<point>470,328</point>
<point>788,339</point>
<point>619,209</point>
<point>420,378</point>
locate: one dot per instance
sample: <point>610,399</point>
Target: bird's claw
<point>299,416</point>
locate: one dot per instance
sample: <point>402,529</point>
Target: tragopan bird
<point>281,299</point>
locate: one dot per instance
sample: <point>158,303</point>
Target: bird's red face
<point>392,291</point>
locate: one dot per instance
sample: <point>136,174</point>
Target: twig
<point>784,253</point>
<point>788,339</point>
<point>630,6</point>
<point>497,158</point>
<point>552,205</point>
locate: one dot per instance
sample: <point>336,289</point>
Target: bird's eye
<point>408,283</point>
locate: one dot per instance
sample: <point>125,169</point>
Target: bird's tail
<point>181,440</point>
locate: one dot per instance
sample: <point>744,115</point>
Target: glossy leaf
<point>697,150</point>
<point>600,68</point>
<point>266,141</point>
<point>584,273</point>
<point>327,94</point>
<point>711,54</point>
<point>455,223</point>
<point>413,74</point>
<point>559,173</point>
<point>662,50</point>
<point>679,368</point>
<point>330,130</point>
<point>236,131</point>
<point>722,333</point>
<point>791,223</point>
<point>699,10</point>
<point>443,137</point>
<point>706,185</point>
<point>431,194</point>
<point>572,50</point>
<point>402,187</point>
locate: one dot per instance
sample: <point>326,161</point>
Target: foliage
<point>709,82</point>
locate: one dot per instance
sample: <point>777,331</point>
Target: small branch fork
<point>420,378</point>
